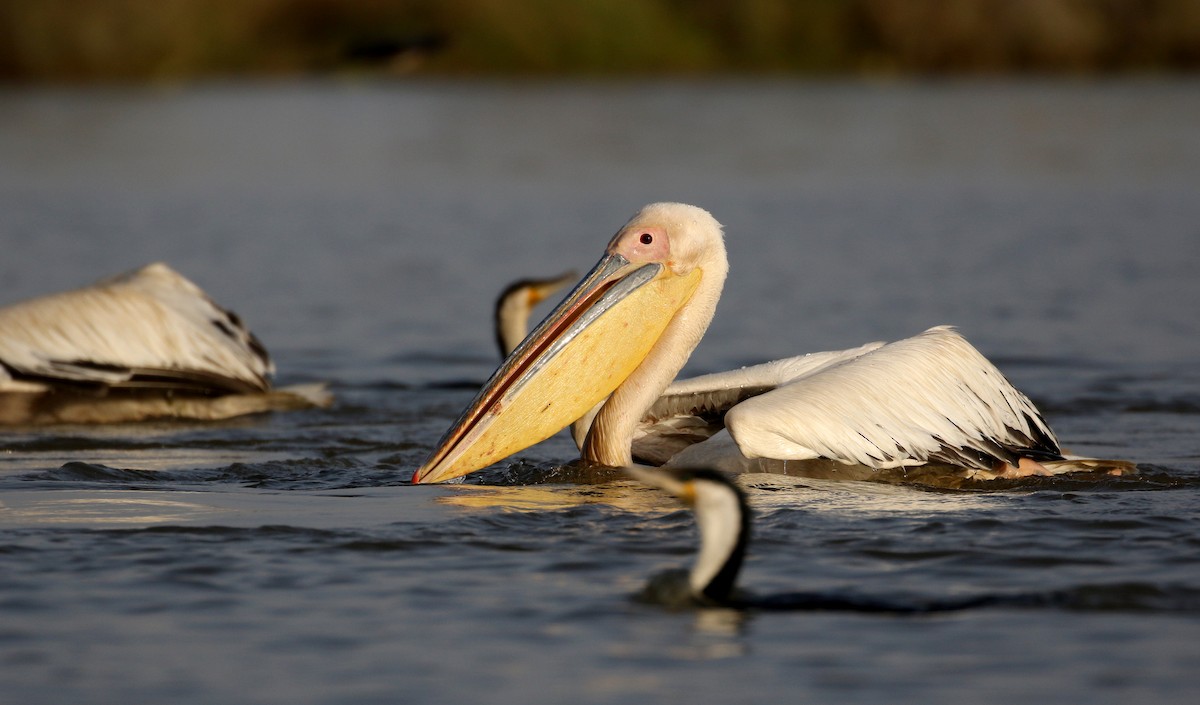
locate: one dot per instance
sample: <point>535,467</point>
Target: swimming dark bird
<point>145,344</point>
<point>516,303</point>
<point>724,522</point>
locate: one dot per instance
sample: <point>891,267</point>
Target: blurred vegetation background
<point>135,40</point>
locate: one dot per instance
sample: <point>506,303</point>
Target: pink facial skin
<point>642,244</point>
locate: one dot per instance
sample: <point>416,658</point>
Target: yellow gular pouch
<point>578,377</point>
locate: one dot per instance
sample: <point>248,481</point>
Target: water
<point>362,230</point>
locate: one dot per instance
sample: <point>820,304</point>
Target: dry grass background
<point>98,40</point>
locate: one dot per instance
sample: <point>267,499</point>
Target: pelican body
<point>145,344</point>
<point>605,359</point>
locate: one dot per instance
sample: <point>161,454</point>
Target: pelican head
<point>625,330</point>
<point>724,522</point>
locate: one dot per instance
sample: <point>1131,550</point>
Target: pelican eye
<point>647,238</point>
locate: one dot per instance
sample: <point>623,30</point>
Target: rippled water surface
<point>363,229</point>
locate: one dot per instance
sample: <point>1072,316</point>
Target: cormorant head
<point>515,304</point>
<point>724,522</point>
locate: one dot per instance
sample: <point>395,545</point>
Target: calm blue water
<point>362,230</point>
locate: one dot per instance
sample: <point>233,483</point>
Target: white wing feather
<point>932,397</point>
<point>690,411</point>
<point>151,321</point>
<point>720,391</point>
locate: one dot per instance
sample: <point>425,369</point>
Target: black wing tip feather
<point>126,379</point>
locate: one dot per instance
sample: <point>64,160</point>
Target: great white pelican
<point>605,358</point>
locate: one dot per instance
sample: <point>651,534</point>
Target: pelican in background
<point>606,356</point>
<point>145,344</point>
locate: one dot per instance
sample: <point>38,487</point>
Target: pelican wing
<point>147,328</point>
<point>693,410</point>
<point>929,398</point>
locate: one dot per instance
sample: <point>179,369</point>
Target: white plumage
<point>144,344</point>
<point>930,399</point>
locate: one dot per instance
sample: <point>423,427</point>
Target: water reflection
<point>767,492</point>
<point>716,634</point>
<point>626,495</point>
<point>117,509</point>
